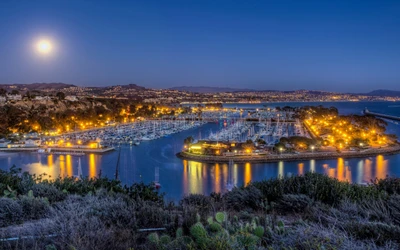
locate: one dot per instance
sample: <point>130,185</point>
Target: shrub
<point>48,191</point>
<point>10,212</point>
<point>379,232</point>
<point>394,208</point>
<point>290,203</point>
<point>34,208</point>
<point>244,198</point>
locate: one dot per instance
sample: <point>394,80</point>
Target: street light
<point>312,148</point>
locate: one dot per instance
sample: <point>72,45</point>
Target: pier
<point>391,117</point>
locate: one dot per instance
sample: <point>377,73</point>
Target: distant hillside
<point>384,92</point>
<point>131,86</point>
<point>203,89</point>
<point>36,86</point>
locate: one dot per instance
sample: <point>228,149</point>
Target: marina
<point>178,177</point>
<point>128,134</point>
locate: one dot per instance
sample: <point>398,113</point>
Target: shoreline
<point>58,150</point>
<point>269,158</point>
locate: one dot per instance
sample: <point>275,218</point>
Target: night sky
<point>346,46</point>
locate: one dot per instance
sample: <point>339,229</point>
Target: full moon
<point>44,46</point>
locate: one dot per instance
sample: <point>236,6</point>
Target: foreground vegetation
<point>301,212</point>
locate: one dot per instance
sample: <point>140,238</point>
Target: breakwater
<point>290,157</point>
<point>391,117</point>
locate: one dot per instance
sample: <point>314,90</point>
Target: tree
<point>3,92</point>
<point>15,92</point>
<point>60,95</point>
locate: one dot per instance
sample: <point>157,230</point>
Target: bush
<point>244,198</point>
<point>379,232</point>
<point>290,203</point>
<point>10,212</point>
<point>34,208</point>
<point>389,184</point>
<point>48,191</point>
<point>199,201</point>
<point>394,208</point>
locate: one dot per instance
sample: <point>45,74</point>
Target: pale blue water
<point>179,177</point>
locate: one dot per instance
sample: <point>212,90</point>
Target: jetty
<point>391,117</point>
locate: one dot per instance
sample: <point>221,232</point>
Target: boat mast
<point>117,167</point>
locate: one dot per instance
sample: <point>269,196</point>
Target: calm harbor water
<point>179,177</point>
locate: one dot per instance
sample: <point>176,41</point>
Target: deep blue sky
<point>322,45</point>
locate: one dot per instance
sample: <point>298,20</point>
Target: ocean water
<point>179,177</point>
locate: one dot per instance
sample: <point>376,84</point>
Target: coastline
<point>290,157</point>
<point>57,150</point>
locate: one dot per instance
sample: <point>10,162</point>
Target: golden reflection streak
<point>340,170</point>
<point>367,170</point>
<point>195,178</point>
<point>185,176</point>
<point>217,178</point>
<point>300,167</point>
<point>247,173</point>
<point>225,175</point>
<point>92,166</point>
<point>62,165</point>
<point>381,167</point>
<point>69,165</point>
<point>50,160</point>
<point>50,163</point>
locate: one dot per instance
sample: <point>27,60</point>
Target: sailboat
<point>157,184</point>
<point>117,167</point>
<point>230,185</point>
<point>80,174</point>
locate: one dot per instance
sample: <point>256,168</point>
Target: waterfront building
<point>4,143</point>
<point>33,142</point>
<point>221,148</point>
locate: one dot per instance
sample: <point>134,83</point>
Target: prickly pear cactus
<point>165,239</point>
<point>179,232</point>
<point>153,238</point>
<point>199,234</point>
<point>220,217</point>
<point>215,227</point>
<point>210,220</point>
<point>259,231</point>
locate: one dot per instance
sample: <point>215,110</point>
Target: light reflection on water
<point>179,177</point>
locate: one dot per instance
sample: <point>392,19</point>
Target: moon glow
<point>44,47</point>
